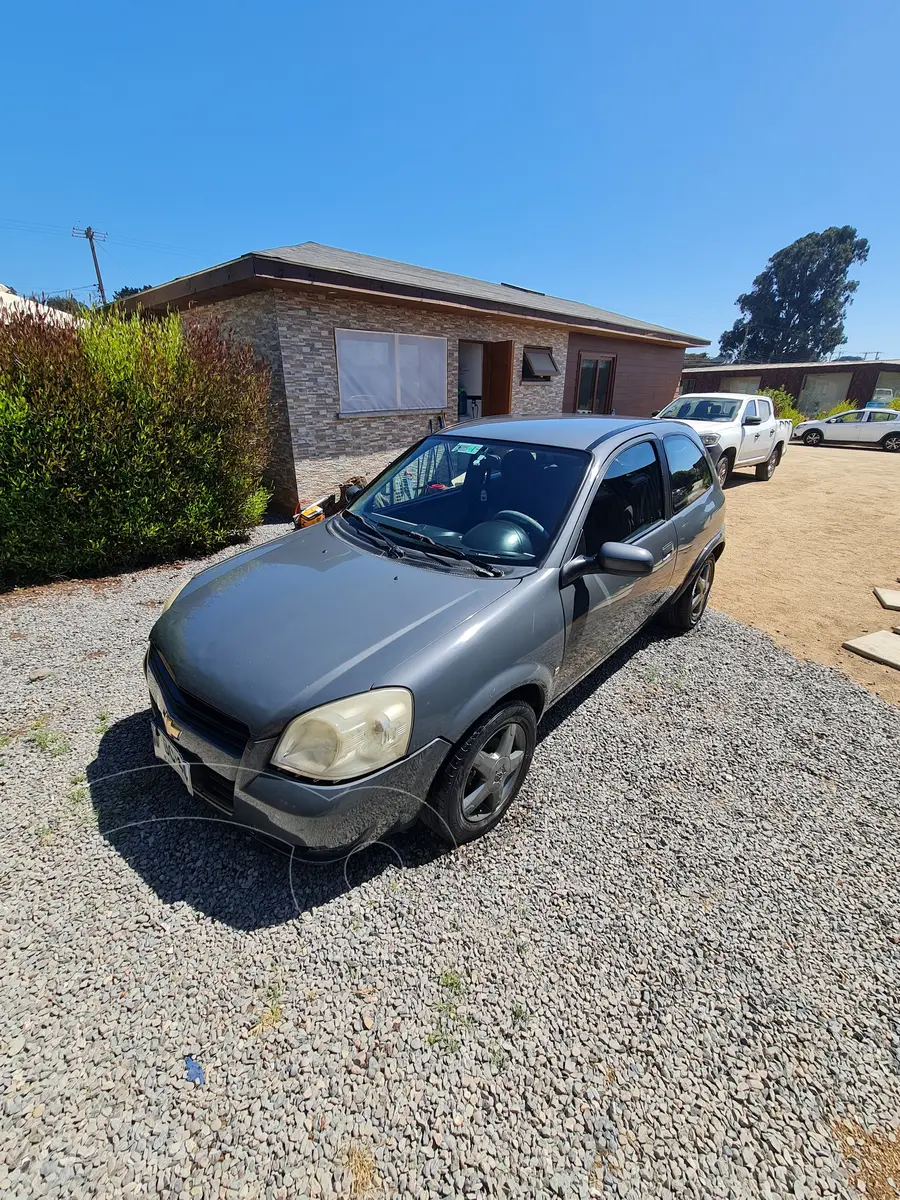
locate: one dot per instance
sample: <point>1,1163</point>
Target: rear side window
<point>884,416</point>
<point>764,408</point>
<point>688,466</point>
<point>629,499</point>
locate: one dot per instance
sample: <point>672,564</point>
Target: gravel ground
<point>670,972</point>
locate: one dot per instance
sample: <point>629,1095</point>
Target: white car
<point>738,430</point>
<point>872,426</point>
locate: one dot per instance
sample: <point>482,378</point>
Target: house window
<point>390,372</point>
<point>742,383</point>
<point>538,365</point>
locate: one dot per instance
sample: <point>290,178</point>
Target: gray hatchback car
<point>393,662</point>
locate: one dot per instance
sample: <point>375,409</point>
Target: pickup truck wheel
<point>687,611</point>
<point>723,469</point>
<point>813,438</point>
<point>482,774</point>
<point>891,442</point>
<point>766,470</point>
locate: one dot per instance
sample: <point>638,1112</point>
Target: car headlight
<point>709,439</point>
<point>173,595</point>
<point>348,738</point>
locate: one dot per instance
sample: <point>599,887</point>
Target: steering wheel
<point>522,520</point>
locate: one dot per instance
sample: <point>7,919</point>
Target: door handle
<point>668,551</point>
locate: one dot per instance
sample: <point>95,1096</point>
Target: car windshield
<point>702,408</point>
<point>480,499</point>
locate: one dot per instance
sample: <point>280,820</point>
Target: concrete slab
<point>889,597</point>
<point>880,647</point>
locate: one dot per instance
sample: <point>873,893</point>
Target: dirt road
<point>805,550</point>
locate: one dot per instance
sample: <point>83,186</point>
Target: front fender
<point>520,675</point>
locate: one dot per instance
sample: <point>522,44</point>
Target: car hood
<point>308,618</point>
<point>702,427</point>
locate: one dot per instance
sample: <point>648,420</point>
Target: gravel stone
<point>675,963</point>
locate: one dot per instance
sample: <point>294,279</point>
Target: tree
<point>124,292</point>
<point>796,310</point>
<point>65,303</point>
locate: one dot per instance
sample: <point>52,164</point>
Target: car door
<point>845,427</point>
<point>766,441</point>
<point>695,501</point>
<point>629,504</point>
<point>877,424</point>
<point>749,450</point>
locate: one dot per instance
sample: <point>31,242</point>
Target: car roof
<point>716,396</point>
<point>570,431</point>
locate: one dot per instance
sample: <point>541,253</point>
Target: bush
<point>784,404</point>
<point>124,441</point>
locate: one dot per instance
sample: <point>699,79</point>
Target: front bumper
<point>320,818</point>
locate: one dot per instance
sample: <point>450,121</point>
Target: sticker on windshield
<point>467,448</point>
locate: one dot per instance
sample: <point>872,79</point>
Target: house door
<point>593,390</point>
<point>496,380</point>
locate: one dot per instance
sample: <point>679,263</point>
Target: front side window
<point>701,408</point>
<point>849,418</point>
<point>689,469</point>
<point>390,372</point>
<point>628,501</point>
<point>751,410</point>
<point>501,501</point>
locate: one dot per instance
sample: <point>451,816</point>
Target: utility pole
<point>91,235</point>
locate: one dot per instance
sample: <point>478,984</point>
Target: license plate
<point>171,755</point>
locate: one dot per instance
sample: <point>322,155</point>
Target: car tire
<point>687,611</point>
<point>813,437</point>
<point>766,470</point>
<point>891,441</point>
<point>723,469</point>
<point>482,774</point>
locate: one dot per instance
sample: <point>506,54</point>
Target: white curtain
<point>390,372</point>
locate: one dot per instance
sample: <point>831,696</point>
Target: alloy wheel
<point>813,438</point>
<point>892,442</point>
<point>722,471</point>
<point>493,774</point>
<point>700,591</point>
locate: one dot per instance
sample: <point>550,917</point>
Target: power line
<point>43,229</point>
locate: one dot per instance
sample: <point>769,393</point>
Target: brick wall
<point>329,447</point>
<point>251,318</point>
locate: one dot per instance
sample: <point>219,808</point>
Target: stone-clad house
<point>367,355</point>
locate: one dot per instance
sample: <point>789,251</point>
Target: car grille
<point>207,722</point>
<point>210,786</point>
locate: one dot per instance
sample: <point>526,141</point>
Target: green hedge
<point>124,441</point>
<point>784,404</point>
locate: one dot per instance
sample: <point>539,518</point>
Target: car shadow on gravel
<point>188,855</point>
<point>655,632</point>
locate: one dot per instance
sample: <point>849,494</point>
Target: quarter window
<point>629,499</point>
<point>689,469</point>
<point>390,372</point>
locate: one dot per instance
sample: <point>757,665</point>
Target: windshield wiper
<point>394,551</point>
<point>452,552</point>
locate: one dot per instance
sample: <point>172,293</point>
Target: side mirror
<point>753,420</point>
<point>655,412</point>
<point>613,558</point>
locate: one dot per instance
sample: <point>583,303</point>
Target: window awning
<point>540,362</point>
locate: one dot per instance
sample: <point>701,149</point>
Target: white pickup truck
<point>738,430</point>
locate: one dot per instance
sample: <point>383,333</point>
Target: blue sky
<point>645,157</point>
